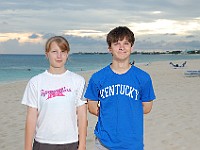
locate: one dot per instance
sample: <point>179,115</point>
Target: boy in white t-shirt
<point>56,112</point>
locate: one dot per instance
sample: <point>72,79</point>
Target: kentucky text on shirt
<point>119,89</point>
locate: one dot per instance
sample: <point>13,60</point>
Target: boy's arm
<point>93,107</point>
<point>147,106</point>
<point>31,120</point>
<point>82,126</point>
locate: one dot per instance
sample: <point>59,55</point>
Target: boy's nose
<point>59,54</point>
<point>121,47</point>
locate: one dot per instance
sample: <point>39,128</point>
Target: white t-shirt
<point>56,97</point>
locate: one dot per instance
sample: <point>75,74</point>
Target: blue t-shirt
<point>120,121</point>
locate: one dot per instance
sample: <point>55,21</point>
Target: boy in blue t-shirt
<point>125,93</point>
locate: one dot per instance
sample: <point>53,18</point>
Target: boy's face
<point>121,50</point>
<point>57,57</point>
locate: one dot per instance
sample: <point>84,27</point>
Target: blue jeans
<point>99,145</point>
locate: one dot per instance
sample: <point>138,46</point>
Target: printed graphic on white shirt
<point>54,93</point>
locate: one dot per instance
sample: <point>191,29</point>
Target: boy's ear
<point>46,55</point>
<point>109,50</point>
<point>132,49</point>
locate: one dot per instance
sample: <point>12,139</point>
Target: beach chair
<point>183,65</point>
<point>174,65</point>
<point>177,65</point>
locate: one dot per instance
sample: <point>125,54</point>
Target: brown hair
<point>119,33</point>
<point>60,41</point>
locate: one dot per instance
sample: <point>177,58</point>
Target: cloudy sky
<point>25,25</point>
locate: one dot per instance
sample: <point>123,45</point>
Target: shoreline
<point>173,123</point>
<point>85,72</point>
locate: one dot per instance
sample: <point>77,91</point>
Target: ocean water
<point>23,67</point>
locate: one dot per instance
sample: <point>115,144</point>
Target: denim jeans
<point>99,145</point>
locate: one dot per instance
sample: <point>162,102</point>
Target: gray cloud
<point>87,44</point>
<point>163,45</point>
<point>77,44</point>
<point>14,47</point>
<point>52,15</point>
<point>50,18</point>
<point>33,36</point>
<point>190,36</point>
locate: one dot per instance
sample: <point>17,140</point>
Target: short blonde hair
<point>60,41</point>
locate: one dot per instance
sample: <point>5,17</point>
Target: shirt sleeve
<point>148,91</point>
<point>80,93</point>
<point>30,96</point>
<point>92,91</point>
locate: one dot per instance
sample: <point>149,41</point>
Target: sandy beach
<point>173,123</point>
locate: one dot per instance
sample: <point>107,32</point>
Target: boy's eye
<point>116,43</point>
